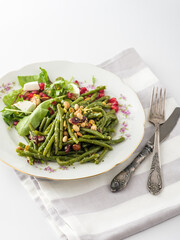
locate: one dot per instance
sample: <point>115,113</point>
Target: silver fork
<point>157,117</point>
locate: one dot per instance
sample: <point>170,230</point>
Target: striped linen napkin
<point>86,209</point>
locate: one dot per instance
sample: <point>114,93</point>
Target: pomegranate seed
<point>54,103</point>
<point>69,95</point>
<point>115,108</point>
<point>26,94</point>
<point>51,112</point>
<point>45,95</point>
<point>28,99</point>
<point>41,85</point>
<point>101,91</point>
<point>35,92</point>
<point>112,100</point>
<point>83,90</point>
<point>115,104</point>
<point>41,94</point>
<point>76,81</point>
<point>15,123</point>
<point>101,95</point>
<point>22,96</point>
<point>30,95</point>
<point>49,108</point>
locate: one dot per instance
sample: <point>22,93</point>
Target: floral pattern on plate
<point>4,88</point>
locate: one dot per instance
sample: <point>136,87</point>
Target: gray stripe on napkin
<point>124,64</point>
<point>92,201</point>
<point>136,226</point>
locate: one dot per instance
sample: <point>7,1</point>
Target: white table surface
<point>83,31</point>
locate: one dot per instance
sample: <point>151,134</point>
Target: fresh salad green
<point>68,123</point>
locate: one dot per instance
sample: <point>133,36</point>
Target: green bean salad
<point>61,121</point>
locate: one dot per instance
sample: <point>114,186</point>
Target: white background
<point>83,31</point>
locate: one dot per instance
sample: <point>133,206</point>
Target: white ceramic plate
<point>131,116</point>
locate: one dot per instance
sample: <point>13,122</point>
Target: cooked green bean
<point>31,127</point>
<point>77,159</point>
<point>77,100</point>
<point>48,128</point>
<point>60,114</point>
<point>41,157</point>
<point>103,99</point>
<point>48,137</point>
<point>115,141</point>
<point>98,109</point>
<point>110,119</point>
<point>22,145</point>
<point>37,133</point>
<point>34,145</point>
<point>111,126</point>
<point>48,146</point>
<point>94,115</point>
<point>49,121</point>
<point>27,147</point>
<point>93,132</point>
<point>88,101</point>
<point>27,139</point>
<point>49,152</point>
<point>96,137</point>
<point>45,121</point>
<point>93,91</point>
<point>96,142</point>
<point>88,159</point>
<point>42,124</point>
<point>101,156</point>
<point>99,104</point>
<point>74,138</point>
<point>111,112</point>
<point>57,135</point>
<point>63,153</point>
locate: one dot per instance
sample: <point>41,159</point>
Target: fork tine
<point>160,103</point>
<point>152,101</point>
<point>156,102</point>
<point>164,99</point>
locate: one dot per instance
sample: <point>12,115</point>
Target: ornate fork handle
<point>154,183</point>
<point>121,180</point>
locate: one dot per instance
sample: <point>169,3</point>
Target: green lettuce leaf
<point>10,98</point>
<point>25,79</point>
<point>59,87</point>
<point>42,77</point>
<point>12,114</point>
<point>35,118</point>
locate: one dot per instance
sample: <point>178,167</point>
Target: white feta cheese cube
<point>76,90</point>
<point>25,106</point>
<point>31,86</point>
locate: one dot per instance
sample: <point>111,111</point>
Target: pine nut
<point>65,138</point>
<point>76,128</point>
<point>76,107</point>
<point>66,105</point>
<point>94,127</point>
<point>83,124</point>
